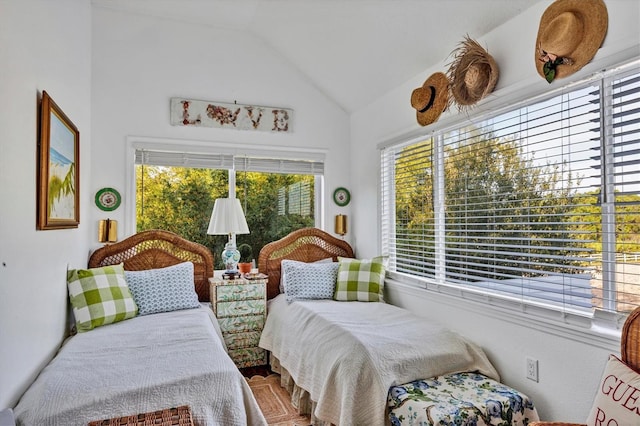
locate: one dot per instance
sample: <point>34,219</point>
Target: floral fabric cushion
<point>459,398</point>
<point>616,402</point>
<point>99,296</point>
<point>360,280</point>
<point>309,280</point>
<point>163,289</point>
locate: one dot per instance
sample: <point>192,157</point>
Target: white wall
<point>114,77</point>
<point>44,45</point>
<point>570,362</point>
<point>139,63</point>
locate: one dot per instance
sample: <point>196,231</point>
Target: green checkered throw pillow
<point>100,296</point>
<point>360,280</point>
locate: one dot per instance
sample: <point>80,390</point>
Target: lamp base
<point>230,258</point>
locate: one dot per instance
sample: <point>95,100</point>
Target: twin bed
<point>360,361</point>
<point>147,363</point>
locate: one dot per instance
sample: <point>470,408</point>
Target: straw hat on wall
<point>569,35</point>
<point>431,99</point>
<point>473,73</point>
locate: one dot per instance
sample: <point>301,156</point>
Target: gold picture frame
<point>58,168</point>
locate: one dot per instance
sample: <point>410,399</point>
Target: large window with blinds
<point>176,190</point>
<point>540,203</point>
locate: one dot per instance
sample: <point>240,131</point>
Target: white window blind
<point>229,161</point>
<point>524,204</point>
<point>183,159</point>
<point>279,165</point>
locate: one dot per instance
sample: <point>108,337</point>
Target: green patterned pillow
<point>360,280</point>
<point>100,296</point>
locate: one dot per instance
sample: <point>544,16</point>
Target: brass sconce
<point>341,224</point>
<point>108,231</point>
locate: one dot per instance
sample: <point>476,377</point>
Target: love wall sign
<point>190,112</point>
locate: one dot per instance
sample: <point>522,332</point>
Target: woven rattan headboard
<point>305,245</point>
<point>630,341</point>
<point>158,249</point>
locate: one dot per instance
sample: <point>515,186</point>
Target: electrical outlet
<point>532,369</point>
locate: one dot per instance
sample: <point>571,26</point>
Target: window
<point>176,191</point>
<point>539,203</point>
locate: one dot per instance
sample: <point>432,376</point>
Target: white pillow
<point>308,281</point>
<point>326,260</point>
<point>618,399</point>
<point>164,289</point>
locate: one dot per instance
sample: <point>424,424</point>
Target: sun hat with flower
<point>569,35</point>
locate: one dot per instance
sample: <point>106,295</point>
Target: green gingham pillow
<point>99,296</point>
<point>360,280</point>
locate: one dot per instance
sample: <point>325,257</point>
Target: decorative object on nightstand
<point>228,218</point>
<point>241,308</point>
<point>246,256</point>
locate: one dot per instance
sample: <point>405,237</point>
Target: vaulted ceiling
<point>352,50</point>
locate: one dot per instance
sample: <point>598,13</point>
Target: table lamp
<point>228,218</point>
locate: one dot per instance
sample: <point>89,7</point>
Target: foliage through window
<point>180,199</point>
<point>540,203</point>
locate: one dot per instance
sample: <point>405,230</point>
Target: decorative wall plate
<point>341,196</point>
<point>108,199</point>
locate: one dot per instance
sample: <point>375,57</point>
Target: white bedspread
<point>348,354</point>
<point>144,364</point>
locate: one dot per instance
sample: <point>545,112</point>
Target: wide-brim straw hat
<point>473,73</point>
<point>431,99</point>
<point>571,29</point>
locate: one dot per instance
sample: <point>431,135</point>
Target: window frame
<point>134,143</point>
<point>605,321</point>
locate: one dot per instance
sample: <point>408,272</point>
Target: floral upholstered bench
<point>459,398</point>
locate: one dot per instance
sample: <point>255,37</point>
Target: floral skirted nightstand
<point>241,308</point>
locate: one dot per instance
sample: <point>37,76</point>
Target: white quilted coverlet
<point>348,354</point>
<point>144,364</point>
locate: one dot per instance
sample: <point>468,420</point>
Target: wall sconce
<point>341,224</point>
<point>108,231</point>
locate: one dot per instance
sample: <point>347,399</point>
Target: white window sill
<point>602,330</point>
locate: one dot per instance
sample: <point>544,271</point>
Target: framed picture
<point>58,168</point>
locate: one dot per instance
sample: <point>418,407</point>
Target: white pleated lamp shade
<point>227,218</point>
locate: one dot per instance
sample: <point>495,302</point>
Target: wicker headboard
<point>158,249</point>
<point>305,245</point>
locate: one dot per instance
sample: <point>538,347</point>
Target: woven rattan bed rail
<point>158,249</point>
<point>177,416</point>
<point>304,245</point>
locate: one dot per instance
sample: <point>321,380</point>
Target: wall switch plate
<point>532,369</point>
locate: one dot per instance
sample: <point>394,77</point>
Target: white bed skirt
<point>300,398</point>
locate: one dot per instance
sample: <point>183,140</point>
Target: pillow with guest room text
<point>617,401</point>
<point>99,296</point>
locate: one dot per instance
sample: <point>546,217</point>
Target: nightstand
<point>241,308</point>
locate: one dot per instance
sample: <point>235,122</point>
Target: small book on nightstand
<point>254,276</point>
